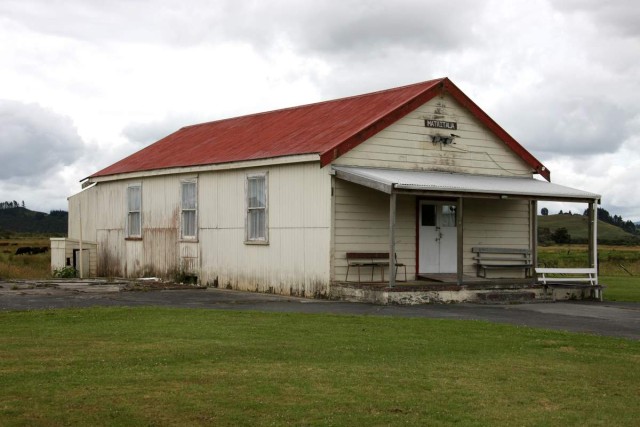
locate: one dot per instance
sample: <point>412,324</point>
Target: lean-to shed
<point>274,201</point>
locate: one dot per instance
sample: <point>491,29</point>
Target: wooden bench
<point>571,278</point>
<point>502,259</point>
<point>372,260</point>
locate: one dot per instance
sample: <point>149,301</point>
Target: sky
<point>84,83</point>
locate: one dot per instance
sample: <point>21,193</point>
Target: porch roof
<point>457,184</point>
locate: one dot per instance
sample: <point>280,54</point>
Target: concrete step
<point>510,297</point>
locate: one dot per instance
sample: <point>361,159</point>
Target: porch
<point>444,289</point>
<point>462,237</point>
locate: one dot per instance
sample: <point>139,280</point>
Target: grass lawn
<point>152,366</point>
<point>621,288</point>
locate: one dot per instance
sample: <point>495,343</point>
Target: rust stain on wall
<point>160,249</point>
<point>108,264</point>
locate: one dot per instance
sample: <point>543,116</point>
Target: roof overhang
<point>444,184</point>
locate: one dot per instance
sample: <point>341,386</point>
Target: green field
<point>618,288</point>
<point>578,228</point>
<point>24,266</point>
<point>152,366</point>
<point>612,260</point>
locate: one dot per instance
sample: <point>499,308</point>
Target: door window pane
<point>428,216</point>
<point>448,216</point>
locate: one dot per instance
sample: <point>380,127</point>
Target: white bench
<point>571,278</point>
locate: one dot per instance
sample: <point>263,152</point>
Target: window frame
<point>193,237</point>
<point>247,211</point>
<point>130,211</point>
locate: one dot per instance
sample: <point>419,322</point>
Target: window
<point>189,224</point>
<point>257,221</point>
<point>134,211</point>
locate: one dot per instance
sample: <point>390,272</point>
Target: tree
<point>629,227</point>
<point>544,211</point>
<point>544,236</point>
<point>603,215</point>
<point>617,220</point>
<point>561,235</point>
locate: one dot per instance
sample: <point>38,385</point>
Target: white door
<point>438,238</point>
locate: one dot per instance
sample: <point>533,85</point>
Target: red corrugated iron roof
<point>329,128</point>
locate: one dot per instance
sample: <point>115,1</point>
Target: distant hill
<point>578,228</point>
<point>23,220</point>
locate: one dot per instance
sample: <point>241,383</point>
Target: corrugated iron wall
<point>295,260</point>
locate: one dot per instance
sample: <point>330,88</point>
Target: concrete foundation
<point>414,294</point>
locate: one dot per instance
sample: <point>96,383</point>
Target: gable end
<point>380,124</point>
<point>443,86</point>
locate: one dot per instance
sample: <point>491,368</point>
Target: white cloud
<point>561,76</point>
<point>38,146</point>
<point>616,17</point>
<point>611,175</point>
<point>35,141</point>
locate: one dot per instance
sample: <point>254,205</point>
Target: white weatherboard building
<point>275,201</point>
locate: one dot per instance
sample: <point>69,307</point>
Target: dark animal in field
<point>24,250</point>
<point>40,250</point>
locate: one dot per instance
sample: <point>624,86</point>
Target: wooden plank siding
<point>362,225</point>
<point>495,223</point>
<point>407,144</point>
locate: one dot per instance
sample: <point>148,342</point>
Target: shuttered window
<point>134,211</point>
<point>189,218</point>
<point>257,221</point>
